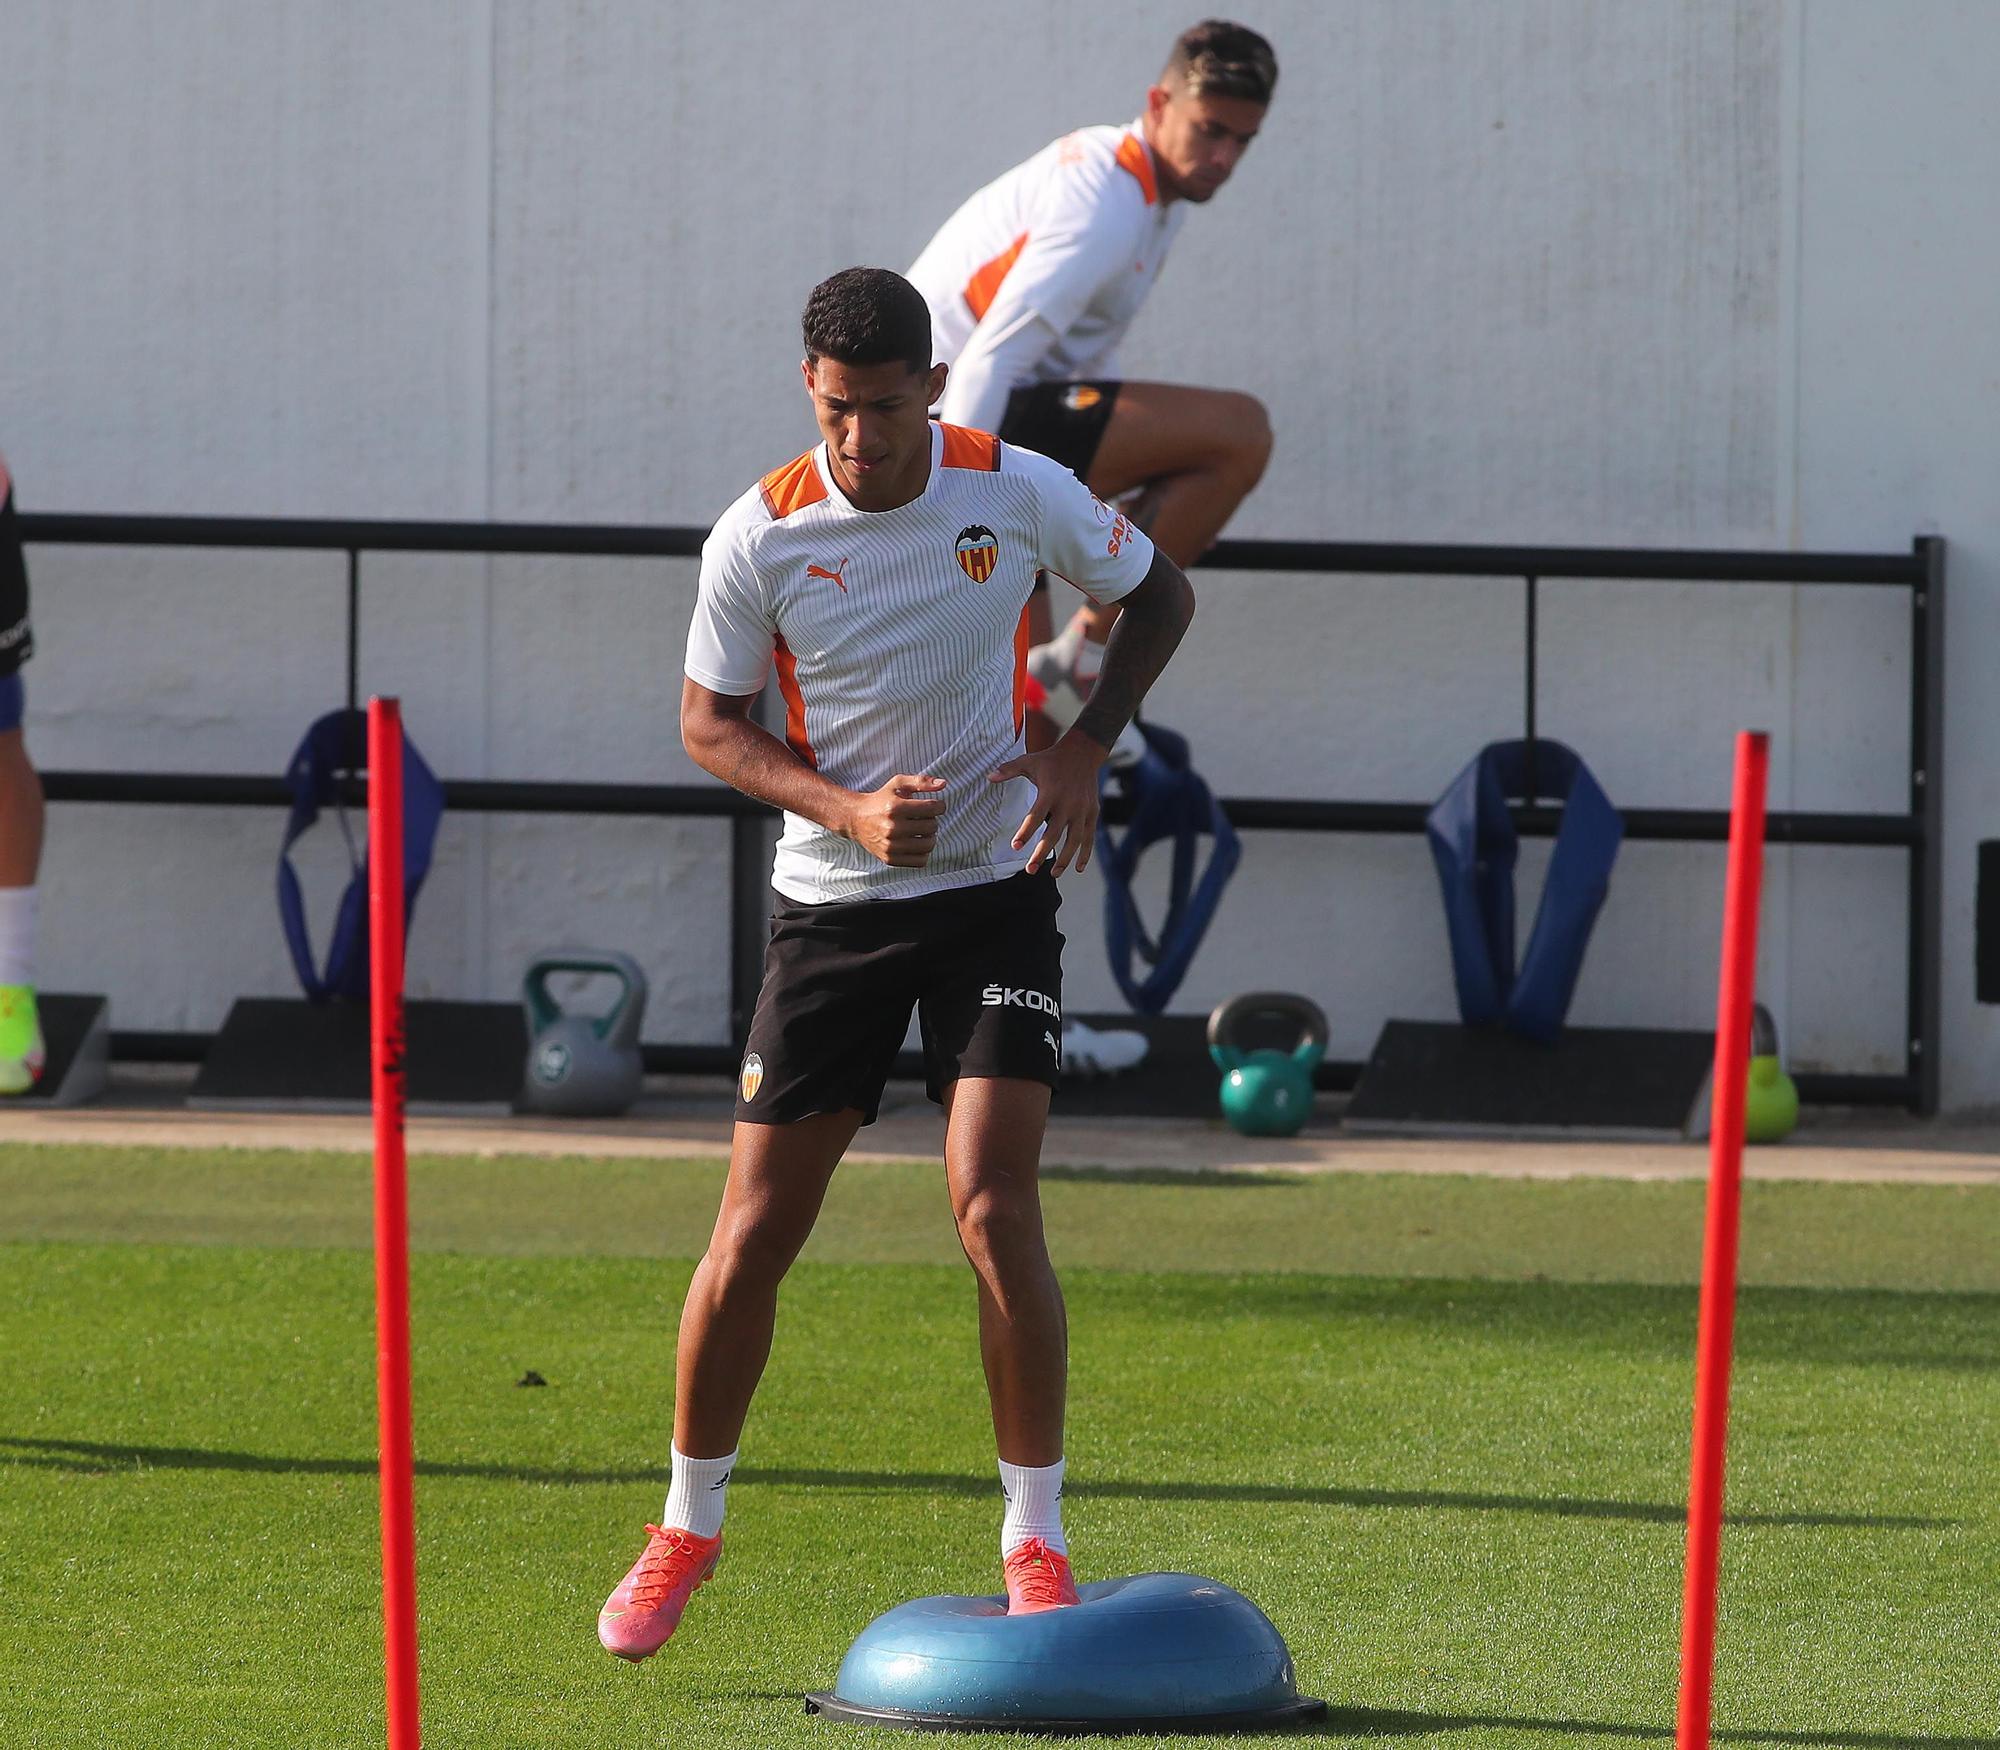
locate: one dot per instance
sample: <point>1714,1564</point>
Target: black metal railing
<point>1918,832</point>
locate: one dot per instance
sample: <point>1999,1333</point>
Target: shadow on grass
<point>1180,1179</point>
<point>97,1456</point>
<point>1370,1722</point>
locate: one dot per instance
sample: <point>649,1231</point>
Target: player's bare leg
<point>778,1175</point>
<point>1198,453</point>
<point>1194,455</point>
<point>21,813</point>
<point>992,1151</point>
<point>992,1157</point>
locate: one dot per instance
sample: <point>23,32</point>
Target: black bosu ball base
<point>1302,1712</point>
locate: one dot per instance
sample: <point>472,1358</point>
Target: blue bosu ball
<point>1151,1651</point>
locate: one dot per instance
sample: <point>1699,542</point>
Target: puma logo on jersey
<point>833,577</point>
<point>1050,1040</point>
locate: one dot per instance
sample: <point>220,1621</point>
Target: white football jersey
<point>900,640</point>
<point>1036,278</point>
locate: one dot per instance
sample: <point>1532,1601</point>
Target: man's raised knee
<point>1250,437</point>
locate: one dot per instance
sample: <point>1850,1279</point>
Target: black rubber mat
<point>275,1053</point>
<point>1442,1079</point>
<point>67,1023</point>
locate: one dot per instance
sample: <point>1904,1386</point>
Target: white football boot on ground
<point>1087,1051</point>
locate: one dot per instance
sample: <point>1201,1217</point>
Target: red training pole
<point>1718,1259</point>
<point>392,1218</point>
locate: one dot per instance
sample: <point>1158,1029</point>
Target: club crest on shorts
<point>978,551</point>
<point>1081,397</point>
<point>753,1076</point>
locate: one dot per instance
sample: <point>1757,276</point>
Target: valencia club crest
<point>978,552</point>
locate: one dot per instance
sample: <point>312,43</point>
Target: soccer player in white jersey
<point>1033,282</point>
<point>884,576</point>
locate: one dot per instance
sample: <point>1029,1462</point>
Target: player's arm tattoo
<point>1150,623</point>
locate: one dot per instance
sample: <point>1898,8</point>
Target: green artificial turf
<point>1458,1497</point>
<point>1330,1224</point>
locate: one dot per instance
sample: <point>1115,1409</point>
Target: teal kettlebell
<point>583,1066</point>
<point>1267,1092</point>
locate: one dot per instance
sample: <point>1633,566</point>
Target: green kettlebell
<point>1267,1092</point>
<point>583,1066</point>
<point>1771,1098</point>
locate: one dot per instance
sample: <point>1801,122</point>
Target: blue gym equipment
<point>336,747</point>
<point>1169,801</point>
<point>1474,843</point>
<point>1150,1652</point>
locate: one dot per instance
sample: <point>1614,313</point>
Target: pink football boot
<point>644,1611</point>
<point>1038,1578</point>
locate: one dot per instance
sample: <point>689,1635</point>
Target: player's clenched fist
<point>899,822</point>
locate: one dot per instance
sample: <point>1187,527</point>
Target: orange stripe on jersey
<point>6,480</point>
<point>984,286</point>
<point>966,448</point>
<point>1021,636</point>
<point>1132,157</point>
<point>795,703</point>
<point>792,487</point>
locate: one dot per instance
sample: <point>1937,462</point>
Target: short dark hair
<point>868,316</point>
<point>1216,58</point>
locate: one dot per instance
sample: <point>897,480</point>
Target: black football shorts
<point>982,967</point>
<point>1065,421</point>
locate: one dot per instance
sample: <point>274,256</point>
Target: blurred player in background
<point>885,576</point>
<point>20,820</point>
<point>1032,284</point>
<point>1034,280</point>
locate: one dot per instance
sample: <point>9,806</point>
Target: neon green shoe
<point>21,1050</point>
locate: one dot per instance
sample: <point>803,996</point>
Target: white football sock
<point>17,934</point>
<point>696,1495</point>
<point>1034,1506</point>
<point>1063,646</point>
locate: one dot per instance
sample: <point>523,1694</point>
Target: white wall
<point>1896,379</point>
<point>1566,271</point>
